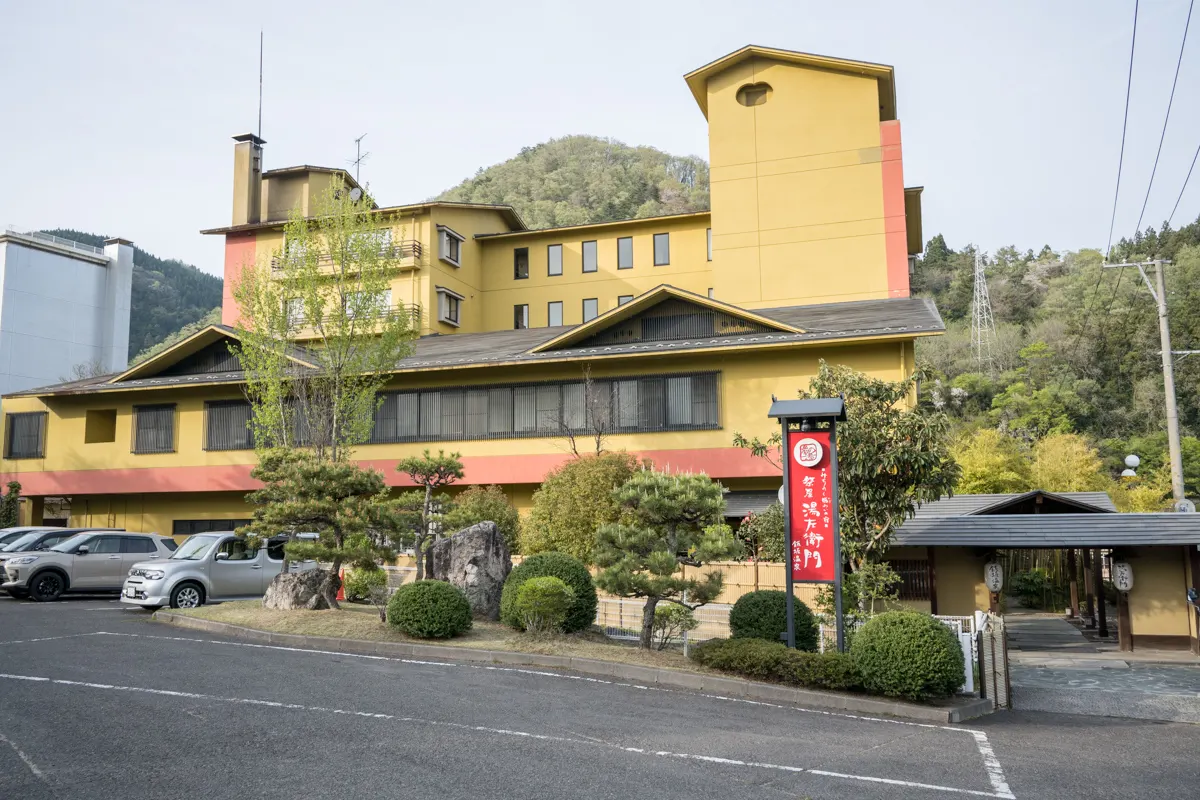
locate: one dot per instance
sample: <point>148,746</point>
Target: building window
<point>294,308</point>
<point>361,305</point>
<point>628,405</point>
<point>227,425</point>
<point>554,259</point>
<point>521,317</point>
<point>154,428</point>
<point>625,252</point>
<point>591,261</point>
<point>709,235</point>
<point>554,314</point>
<point>520,263</point>
<point>187,527</point>
<point>710,294</point>
<point>449,306</point>
<point>591,309</point>
<point>449,245</point>
<point>914,577</point>
<point>623,299</point>
<point>25,434</point>
<point>662,249</point>
<point>100,425</point>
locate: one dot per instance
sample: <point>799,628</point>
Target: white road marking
<point>53,638</point>
<point>995,771</point>
<point>500,732</point>
<point>37,773</point>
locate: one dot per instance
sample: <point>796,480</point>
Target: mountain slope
<point>167,294</point>
<point>578,179</point>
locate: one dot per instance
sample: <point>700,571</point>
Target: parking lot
<point>100,701</point>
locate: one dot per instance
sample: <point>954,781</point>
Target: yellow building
<point>690,323</point>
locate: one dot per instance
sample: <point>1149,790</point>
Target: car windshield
<point>23,543</point>
<point>67,545</point>
<point>194,548</point>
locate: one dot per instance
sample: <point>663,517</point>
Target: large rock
<point>297,591</point>
<point>476,560</point>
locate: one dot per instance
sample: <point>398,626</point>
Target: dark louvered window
<point>25,434</point>
<point>914,578</point>
<point>228,425</point>
<point>154,429</point>
<point>646,404</point>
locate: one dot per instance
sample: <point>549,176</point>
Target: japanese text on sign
<point>810,507</point>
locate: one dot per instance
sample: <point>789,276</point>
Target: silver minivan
<point>207,567</point>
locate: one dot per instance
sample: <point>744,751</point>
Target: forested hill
<point>1077,346</point>
<point>167,294</point>
<point>578,179</point>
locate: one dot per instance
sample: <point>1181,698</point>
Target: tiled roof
<point>968,504</point>
<point>1050,530</point>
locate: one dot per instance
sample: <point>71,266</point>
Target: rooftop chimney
<point>247,178</point>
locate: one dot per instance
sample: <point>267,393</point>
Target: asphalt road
<point>97,701</point>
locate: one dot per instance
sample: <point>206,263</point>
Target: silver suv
<point>36,540</point>
<point>87,562</point>
<point>207,567</point>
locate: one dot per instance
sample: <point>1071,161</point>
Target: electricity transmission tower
<point>983,327</point>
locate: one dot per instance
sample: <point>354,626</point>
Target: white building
<point>64,308</point>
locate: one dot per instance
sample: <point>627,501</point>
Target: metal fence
<point>58,240</point>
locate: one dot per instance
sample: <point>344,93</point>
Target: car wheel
<point>187,595</point>
<point>18,594</point>
<point>47,586</point>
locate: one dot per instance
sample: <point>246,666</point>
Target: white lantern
<point>993,576</point>
<point>1122,574</point>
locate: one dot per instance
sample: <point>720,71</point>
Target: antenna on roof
<point>260,65</point>
<point>359,157</point>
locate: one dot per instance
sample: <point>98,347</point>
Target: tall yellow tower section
<point>807,183</point>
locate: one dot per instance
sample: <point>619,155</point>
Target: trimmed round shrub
<point>430,610</point>
<point>570,571</point>
<point>763,615</point>
<point>543,604</point>
<point>359,583</point>
<point>908,654</point>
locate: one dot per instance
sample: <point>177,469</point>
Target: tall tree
<point>431,473</point>
<point>668,521</point>
<point>991,463</point>
<point>574,500</point>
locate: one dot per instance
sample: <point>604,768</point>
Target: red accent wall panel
<point>239,251</point>
<point>895,225</point>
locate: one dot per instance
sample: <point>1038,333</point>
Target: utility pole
<point>983,326</point>
<point>1158,290</point>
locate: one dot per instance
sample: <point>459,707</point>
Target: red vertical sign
<point>810,507</point>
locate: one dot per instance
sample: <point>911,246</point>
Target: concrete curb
<point>675,679</point>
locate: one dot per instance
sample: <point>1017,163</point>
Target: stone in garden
<point>476,560</point>
<point>297,591</point>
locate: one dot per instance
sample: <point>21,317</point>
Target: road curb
<point>656,676</point>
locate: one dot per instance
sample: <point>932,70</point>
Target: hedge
<point>769,661</point>
<point>430,610</point>
<point>763,615</point>
<point>359,582</point>
<point>908,654</point>
<point>543,604</point>
<point>570,571</point>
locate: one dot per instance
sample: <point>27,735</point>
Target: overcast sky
<point>117,116</point>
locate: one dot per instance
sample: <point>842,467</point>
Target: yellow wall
<point>155,513</point>
<point>797,187</point>
<point>1158,601</point>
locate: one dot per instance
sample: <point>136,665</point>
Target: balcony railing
<point>413,311</point>
<point>407,252</point>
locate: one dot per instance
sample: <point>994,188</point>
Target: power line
<point>1185,183</point>
<point>1166,119</point>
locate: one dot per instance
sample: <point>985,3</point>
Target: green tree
<point>890,459</point>
<point>331,281</point>
<point>10,506</point>
<point>990,463</point>
<point>667,521</point>
<point>482,504</point>
<point>431,473</point>
<point>1065,462</point>
<point>574,500</point>
<point>762,534</point>
<point>347,506</point>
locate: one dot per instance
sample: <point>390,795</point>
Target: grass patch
<point>362,622</point>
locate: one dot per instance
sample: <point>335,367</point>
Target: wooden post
<point>933,604</point>
<point>1073,576</point>
<point>1101,598</point>
<point>1124,627</point>
<point>1088,573</point>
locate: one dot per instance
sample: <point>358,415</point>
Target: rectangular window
<point>449,306</point>
<point>914,578</point>
<point>554,259</point>
<point>227,425</point>
<point>294,308</point>
<point>625,252</point>
<point>554,314</point>
<point>154,428</point>
<point>623,299</point>
<point>647,404</point>
<point>361,305</point>
<point>520,263</point>
<point>449,246</point>
<point>591,309</point>
<point>708,234</point>
<point>662,249</point>
<point>25,434</point>
<point>710,294</point>
<point>187,527</point>
<point>591,261</point>
<point>521,317</point>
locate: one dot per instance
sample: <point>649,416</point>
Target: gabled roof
<point>697,79</point>
<point>648,300</point>
<point>963,505</point>
<point>181,350</point>
<point>1038,531</point>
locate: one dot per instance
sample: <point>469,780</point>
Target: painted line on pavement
<point>505,732</point>
<point>33,768</point>
<point>992,766</point>
<point>53,638</point>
